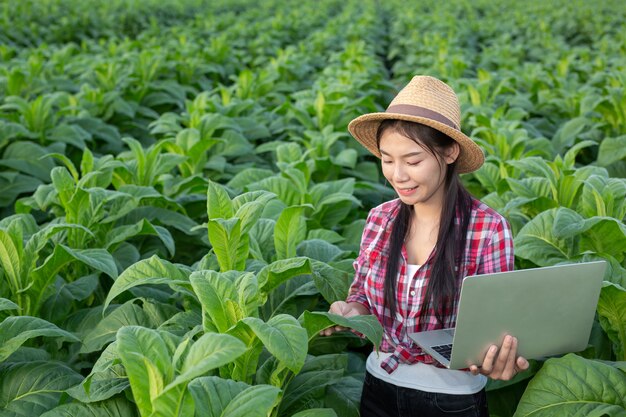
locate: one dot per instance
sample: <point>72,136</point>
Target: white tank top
<point>425,377</point>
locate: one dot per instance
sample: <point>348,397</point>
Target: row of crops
<point>181,200</point>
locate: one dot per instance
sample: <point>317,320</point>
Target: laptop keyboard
<point>444,350</point>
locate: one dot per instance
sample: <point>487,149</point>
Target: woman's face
<point>416,174</point>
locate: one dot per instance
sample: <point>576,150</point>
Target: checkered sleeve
<point>497,255</point>
<point>361,265</point>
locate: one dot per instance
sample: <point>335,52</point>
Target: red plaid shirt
<point>488,248</point>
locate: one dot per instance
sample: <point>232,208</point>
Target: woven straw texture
<point>431,99</point>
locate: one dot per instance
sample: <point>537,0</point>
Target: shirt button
<point>413,293</point>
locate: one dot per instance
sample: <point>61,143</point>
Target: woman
<point>416,250</point>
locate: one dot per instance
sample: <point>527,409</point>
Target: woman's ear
<point>452,153</point>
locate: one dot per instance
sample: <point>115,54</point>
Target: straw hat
<point>428,101</point>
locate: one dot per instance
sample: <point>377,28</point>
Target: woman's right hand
<point>341,308</point>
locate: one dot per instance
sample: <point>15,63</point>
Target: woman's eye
<point>387,162</point>
<point>413,163</point>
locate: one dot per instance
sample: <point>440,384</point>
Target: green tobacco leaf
<point>367,325</point>
<point>219,205</point>
<point>213,291</point>
<point>316,412</point>
<point>217,397</point>
<point>147,271</point>
<point>290,230</point>
<point>332,283</point>
<point>345,396</point>
<point>319,249</point>
<point>32,388</point>
<point>210,351</point>
<point>7,304</point>
<point>282,187</point>
<point>611,150</point>
<point>229,244</point>
<point>249,214</point>
<point>308,388</point>
<point>98,259</point>
<point>292,297</point>
<point>573,386</point>
<point>110,408</point>
<point>612,314</point>
<point>280,271</point>
<point>604,235</point>
<point>11,260</point>
<point>283,337</point>
<point>143,227</point>
<point>262,197</point>
<point>147,361</point>
<point>537,242</point>
<point>15,330</point>
<point>256,401</point>
<point>248,176</point>
<point>128,314</point>
<point>567,134</point>
<point>106,379</point>
<point>29,158</point>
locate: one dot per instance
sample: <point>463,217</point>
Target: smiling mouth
<point>406,191</point>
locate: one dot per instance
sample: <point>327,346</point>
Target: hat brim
<point>364,128</point>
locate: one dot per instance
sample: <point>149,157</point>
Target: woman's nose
<point>399,173</point>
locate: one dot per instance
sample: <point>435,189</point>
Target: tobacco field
<point>180,200</point>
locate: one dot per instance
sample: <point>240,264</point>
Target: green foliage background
<point>180,199</point>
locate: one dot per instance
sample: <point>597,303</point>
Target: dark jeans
<point>382,399</point>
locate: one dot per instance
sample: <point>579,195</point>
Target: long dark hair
<point>442,285</point>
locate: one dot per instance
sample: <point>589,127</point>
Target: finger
<point>487,367</point>
<point>337,307</point>
<point>474,370</point>
<point>522,364</point>
<point>503,356</point>
<point>509,367</point>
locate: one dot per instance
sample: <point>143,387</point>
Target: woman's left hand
<point>502,363</point>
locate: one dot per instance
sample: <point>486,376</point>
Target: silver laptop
<point>549,310</point>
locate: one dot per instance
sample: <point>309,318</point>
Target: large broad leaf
<point>107,378</point>
<point>217,397</point>
<point>345,396</point>
<point>286,191</point>
<point>230,245</point>
<point>98,259</point>
<point>283,337</point>
<point>536,241</point>
<point>308,388</point>
<point>110,408</point>
<point>292,297</point>
<point>146,358</point>
<point>7,304</point>
<point>573,386</point>
<point>147,271</point>
<point>245,367</point>
<point>280,271</point>
<point>367,325</point>
<point>219,205</point>
<point>290,230</point>
<point>320,250</point>
<point>143,227</point>
<point>214,290</point>
<point>249,214</point>
<point>15,330</point>
<point>611,150</point>
<point>210,351</point>
<point>612,313</point>
<point>332,283</point>
<point>128,314</point>
<point>32,388</point>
